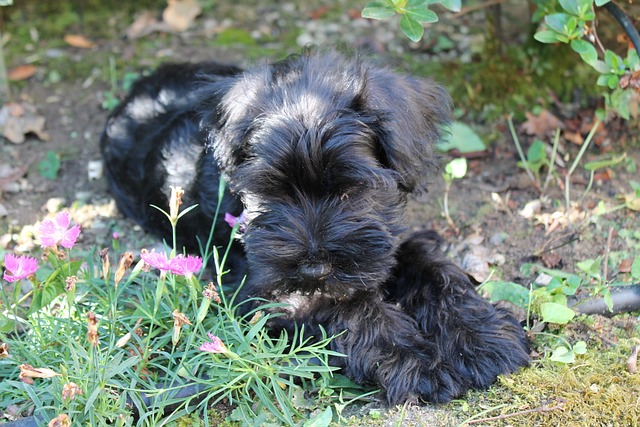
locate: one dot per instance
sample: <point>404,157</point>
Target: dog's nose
<point>316,271</point>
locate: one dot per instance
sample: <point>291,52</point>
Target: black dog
<point>321,152</point>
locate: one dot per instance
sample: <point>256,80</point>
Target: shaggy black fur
<point>322,151</point>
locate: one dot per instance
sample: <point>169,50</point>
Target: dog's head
<point>323,151</point>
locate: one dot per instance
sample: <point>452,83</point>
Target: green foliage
<point>567,353</point>
<point>133,354</point>
<point>413,13</point>
<point>563,21</point>
<point>49,166</point>
<point>455,169</point>
<point>462,138</point>
<point>535,159</point>
<point>570,26</point>
<point>548,302</point>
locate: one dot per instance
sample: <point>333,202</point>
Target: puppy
<point>320,152</point>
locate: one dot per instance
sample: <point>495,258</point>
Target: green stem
<point>516,141</point>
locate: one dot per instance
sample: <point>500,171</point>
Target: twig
<point>541,410</point>
<point>571,236</point>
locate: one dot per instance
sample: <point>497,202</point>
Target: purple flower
<point>115,236</point>
<point>156,259</point>
<point>233,220</point>
<point>185,265</point>
<point>19,267</point>
<point>57,231</point>
<point>215,346</point>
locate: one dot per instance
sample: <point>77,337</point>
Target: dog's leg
<point>383,346</point>
<point>479,341</point>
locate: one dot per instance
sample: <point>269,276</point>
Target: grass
<point>132,341</point>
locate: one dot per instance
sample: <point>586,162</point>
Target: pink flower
<point>185,265</point>
<point>233,220</point>
<point>57,231</point>
<point>215,346</point>
<point>19,267</point>
<point>156,259</point>
<point>181,265</point>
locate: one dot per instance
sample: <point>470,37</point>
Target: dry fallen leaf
<point>573,137</point>
<point>625,265</point>
<point>19,119</point>
<point>145,24</point>
<point>541,124</point>
<point>79,41</point>
<point>21,72</point>
<point>180,14</point>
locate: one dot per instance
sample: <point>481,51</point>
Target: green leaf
<point>53,286</point>
<point>546,36</point>
<point>635,268</point>
<point>571,285</point>
<point>49,166</point>
<point>585,9</point>
<point>128,80</point>
<point>602,2</point>
<point>422,14</point>
<point>556,313</point>
<point>323,419</point>
<point>599,164</point>
<point>411,28</point>
<point>507,291</point>
<point>632,59</point>
<point>570,6</point>
<point>601,67</point>
<point>586,50</point>
<point>603,80</point>
<point>452,5</point>
<point>536,152</point>
<point>612,81</point>
<point>377,10</point>
<point>456,168</point>
<point>563,355</point>
<point>559,22</point>
<point>590,266</point>
<point>6,324</point>
<point>612,59</point>
<point>462,138</point>
<point>580,347</point>
<point>109,101</point>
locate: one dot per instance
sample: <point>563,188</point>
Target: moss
<point>597,390</point>
<point>512,83</point>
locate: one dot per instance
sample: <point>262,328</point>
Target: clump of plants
<point>145,340</point>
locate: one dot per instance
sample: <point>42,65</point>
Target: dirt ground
<point>493,234</point>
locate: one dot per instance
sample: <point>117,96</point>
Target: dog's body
<point>321,153</point>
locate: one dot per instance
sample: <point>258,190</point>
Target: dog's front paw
<point>422,374</point>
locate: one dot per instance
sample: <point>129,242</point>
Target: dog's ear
<point>411,116</point>
<point>227,119</point>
